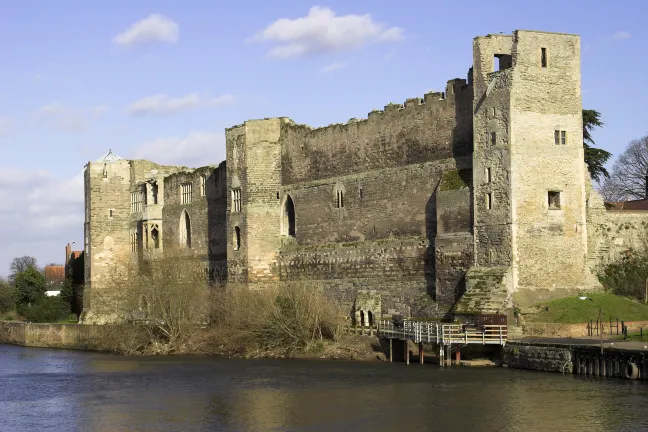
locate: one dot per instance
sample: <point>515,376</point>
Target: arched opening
<point>185,229</point>
<point>155,237</point>
<point>370,318</point>
<point>362,319</point>
<point>289,217</point>
<point>237,238</point>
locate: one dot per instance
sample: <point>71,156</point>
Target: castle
<point>476,198</point>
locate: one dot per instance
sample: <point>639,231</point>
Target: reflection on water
<point>60,390</point>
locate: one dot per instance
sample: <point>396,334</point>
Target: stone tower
<point>107,216</point>
<point>254,205</point>
<point>528,168</point>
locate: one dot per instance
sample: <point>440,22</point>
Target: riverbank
<point>107,338</point>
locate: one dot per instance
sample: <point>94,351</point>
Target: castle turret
<point>528,168</point>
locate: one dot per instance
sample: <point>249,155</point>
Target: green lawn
<point>571,310</point>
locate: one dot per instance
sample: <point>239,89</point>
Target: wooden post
<point>421,353</point>
<point>390,350</point>
<point>458,356</point>
<point>449,355</point>
<point>406,351</point>
<point>441,359</point>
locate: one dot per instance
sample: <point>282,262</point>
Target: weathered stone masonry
<point>476,198</point>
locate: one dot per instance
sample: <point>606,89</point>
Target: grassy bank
<point>572,310</point>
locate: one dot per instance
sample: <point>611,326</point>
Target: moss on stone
<point>453,180</point>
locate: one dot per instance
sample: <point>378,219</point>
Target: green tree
<point>6,297</point>
<point>29,286</point>
<point>595,158</point>
<point>73,295</point>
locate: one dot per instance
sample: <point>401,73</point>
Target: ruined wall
<point>109,222</point>
<point>206,213</point>
<point>435,128</point>
<point>545,99</point>
<point>615,232</point>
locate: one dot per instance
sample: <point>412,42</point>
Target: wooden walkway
<point>444,334</point>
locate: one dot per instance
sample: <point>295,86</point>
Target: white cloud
<point>5,126</point>
<point>161,104</point>
<point>321,31</point>
<point>333,67</point>
<point>621,35</point>
<point>154,28</point>
<point>39,214</point>
<point>66,118</point>
<point>196,149</point>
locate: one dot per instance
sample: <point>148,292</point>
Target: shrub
<point>627,276</point>
<point>46,310</point>
<point>283,320</point>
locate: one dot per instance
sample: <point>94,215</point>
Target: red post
<point>458,356</point>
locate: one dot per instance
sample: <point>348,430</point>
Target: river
<point>59,390</point>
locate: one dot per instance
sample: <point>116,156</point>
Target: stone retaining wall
<point>542,358</point>
<point>577,330</point>
<point>70,336</point>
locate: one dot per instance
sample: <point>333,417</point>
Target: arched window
<point>362,318</point>
<point>185,229</point>
<point>370,318</point>
<point>155,237</point>
<point>237,238</point>
<point>289,217</point>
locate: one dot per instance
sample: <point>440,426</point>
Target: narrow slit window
<point>488,175</point>
<point>493,138</point>
<point>543,57</point>
<point>489,201</point>
<point>237,238</point>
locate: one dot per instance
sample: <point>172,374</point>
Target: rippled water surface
<point>43,390</point>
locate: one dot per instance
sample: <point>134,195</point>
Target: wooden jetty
<point>444,336</point>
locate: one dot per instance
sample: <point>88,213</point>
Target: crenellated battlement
<point>432,100</point>
<point>435,126</point>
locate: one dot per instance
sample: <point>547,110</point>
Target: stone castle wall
<point>403,203</point>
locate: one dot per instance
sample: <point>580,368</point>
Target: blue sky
<point>162,79</point>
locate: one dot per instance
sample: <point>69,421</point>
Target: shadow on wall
<point>216,193</point>
<point>429,264</point>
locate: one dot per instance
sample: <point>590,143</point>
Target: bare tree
<point>20,264</point>
<point>628,179</point>
<point>167,297</point>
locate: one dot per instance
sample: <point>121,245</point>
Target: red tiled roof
<point>76,254</point>
<point>54,273</point>
<point>629,205</point>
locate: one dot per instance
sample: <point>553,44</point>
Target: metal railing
<point>445,334</point>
